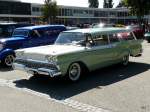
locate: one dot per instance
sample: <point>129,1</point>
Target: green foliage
<point>93,3</point>
<point>105,5</point>
<point>50,10</point>
<point>138,7</point>
<point>108,4</point>
<point>121,4</point>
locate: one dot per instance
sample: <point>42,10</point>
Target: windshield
<point>6,31</point>
<point>70,38</point>
<point>20,33</point>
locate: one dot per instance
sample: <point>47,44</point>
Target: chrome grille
<point>35,64</point>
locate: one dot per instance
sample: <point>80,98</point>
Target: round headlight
<point>52,59</point>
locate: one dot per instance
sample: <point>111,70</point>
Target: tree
<point>121,4</point>
<point>138,8</point>
<point>93,3</point>
<point>105,4</point>
<point>50,10</point>
<point>108,4</point>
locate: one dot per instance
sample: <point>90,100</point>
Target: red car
<point>137,30</point>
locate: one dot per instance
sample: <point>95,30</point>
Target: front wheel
<point>74,72</point>
<point>8,61</point>
<point>125,60</point>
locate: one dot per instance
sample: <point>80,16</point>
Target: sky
<point>80,3</point>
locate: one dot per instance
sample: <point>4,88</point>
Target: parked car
<point>137,30</point>
<point>6,29</point>
<point>102,25</point>
<point>135,46</point>
<point>147,36</point>
<point>26,37</point>
<point>76,51</point>
<point>71,28</point>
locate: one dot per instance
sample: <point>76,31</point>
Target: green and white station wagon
<point>78,50</point>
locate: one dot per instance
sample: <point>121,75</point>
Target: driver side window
<point>35,34</point>
<point>101,40</point>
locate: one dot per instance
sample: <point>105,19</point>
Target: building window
<point>36,9</point>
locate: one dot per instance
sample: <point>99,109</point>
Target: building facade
<point>15,10</point>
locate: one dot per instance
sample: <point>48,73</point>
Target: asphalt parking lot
<point>111,89</point>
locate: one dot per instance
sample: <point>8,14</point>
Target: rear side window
<point>126,36</point>
<point>113,38</point>
<point>52,32</point>
<point>45,33</point>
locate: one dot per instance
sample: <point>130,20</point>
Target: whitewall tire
<point>125,60</point>
<point>74,72</point>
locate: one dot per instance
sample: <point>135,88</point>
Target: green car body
<point>79,49</point>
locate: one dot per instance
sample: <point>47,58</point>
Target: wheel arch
<point>82,64</point>
<point>6,52</point>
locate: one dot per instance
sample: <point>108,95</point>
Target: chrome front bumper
<point>43,71</point>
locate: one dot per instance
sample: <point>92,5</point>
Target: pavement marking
<point>67,102</point>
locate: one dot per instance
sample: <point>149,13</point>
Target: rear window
<point>126,36</point>
<point>113,38</point>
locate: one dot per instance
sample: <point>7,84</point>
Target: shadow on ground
<point>5,69</point>
<point>96,79</point>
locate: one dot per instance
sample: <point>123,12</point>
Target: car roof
<point>100,30</point>
<point>40,27</point>
<point>8,23</point>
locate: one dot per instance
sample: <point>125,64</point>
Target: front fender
<point>6,52</point>
<point>66,60</point>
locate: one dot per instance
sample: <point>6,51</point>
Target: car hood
<point>53,49</point>
<point>3,40</point>
<point>4,37</point>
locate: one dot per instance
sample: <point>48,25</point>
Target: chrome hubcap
<point>9,60</point>
<point>74,72</point>
<point>125,60</point>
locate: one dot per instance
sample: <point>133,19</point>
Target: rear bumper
<point>43,71</point>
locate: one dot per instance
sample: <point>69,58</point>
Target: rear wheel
<point>9,59</point>
<point>125,60</point>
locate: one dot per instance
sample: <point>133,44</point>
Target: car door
<point>99,54</point>
<point>117,47</point>
<point>35,39</point>
<point>134,44</point>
